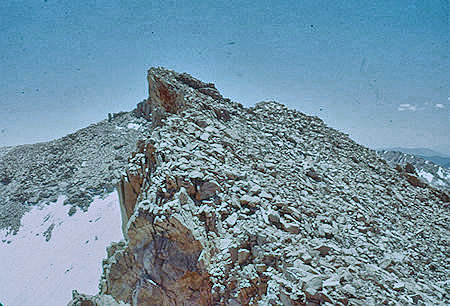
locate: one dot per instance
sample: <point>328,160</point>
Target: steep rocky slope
<point>80,166</point>
<point>224,205</point>
<point>436,175</point>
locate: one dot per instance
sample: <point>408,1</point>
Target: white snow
<point>133,126</point>
<point>36,272</point>
<point>440,173</point>
<point>426,175</point>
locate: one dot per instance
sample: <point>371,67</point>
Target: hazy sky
<point>377,70</point>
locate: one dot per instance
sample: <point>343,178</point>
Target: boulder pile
<point>226,205</point>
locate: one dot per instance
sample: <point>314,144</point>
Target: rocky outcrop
<point>143,110</point>
<point>160,264</point>
<point>234,206</point>
<point>205,88</point>
<point>166,96</point>
<point>131,182</point>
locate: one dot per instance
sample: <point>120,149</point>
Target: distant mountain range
<point>428,154</point>
<point>418,151</point>
<point>433,173</point>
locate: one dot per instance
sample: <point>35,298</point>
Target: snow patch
<point>440,173</point>
<point>52,253</point>
<point>134,126</point>
<point>425,175</point>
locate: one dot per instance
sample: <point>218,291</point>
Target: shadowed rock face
<point>129,186</point>
<point>160,266</point>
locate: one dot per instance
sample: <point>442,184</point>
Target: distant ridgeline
<point>427,154</point>
<point>432,173</point>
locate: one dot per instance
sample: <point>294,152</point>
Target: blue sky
<point>377,70</point>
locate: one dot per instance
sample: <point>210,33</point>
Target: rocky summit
<point>226,205</point>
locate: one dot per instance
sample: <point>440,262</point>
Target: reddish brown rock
<point>159,266</point>
<point>192,82</point>
<point>205,88</point>
<point>212,92</point>
<point>164,97</point>
<point>130,184</point>
<point>222,114</point>
<point>128,189</point>
<point>313,174</point>
<point>414,180</point>
<point>409,168</point>
<point>441,194</point>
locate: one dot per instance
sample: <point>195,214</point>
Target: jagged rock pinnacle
<point>166,93</point>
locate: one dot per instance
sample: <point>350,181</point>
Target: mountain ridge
<point>223,204</point>
<point>266,205</point>
<point>422,152</point>
<point>80,165</point>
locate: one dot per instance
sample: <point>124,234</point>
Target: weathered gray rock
<point>251,201</point>
<point>290,227</point>
<point>265,206</point>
